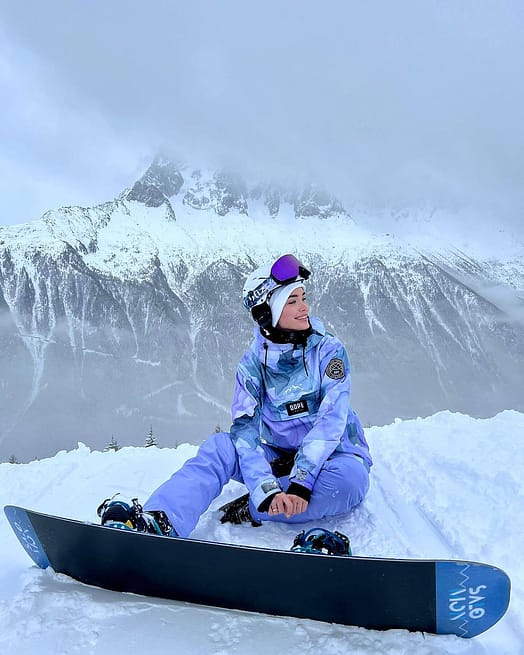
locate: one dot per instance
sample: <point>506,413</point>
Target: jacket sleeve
<point>331,421</point>
<point>245,433</point>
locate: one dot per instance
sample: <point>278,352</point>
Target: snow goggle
<point>285,270</point>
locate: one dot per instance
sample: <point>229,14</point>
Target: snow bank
<point>445,486</point>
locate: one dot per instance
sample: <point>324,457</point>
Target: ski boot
<point>121,515</point>
<point>237,512</point>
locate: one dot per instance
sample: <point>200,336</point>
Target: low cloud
<point>385,104</point>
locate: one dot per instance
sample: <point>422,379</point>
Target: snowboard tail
<point>443,597</point>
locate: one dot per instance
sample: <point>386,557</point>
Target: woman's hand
<point>287,504</point>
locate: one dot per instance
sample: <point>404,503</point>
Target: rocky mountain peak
<point>225,191</point>
<point>314,201</point>
<point>161,181</point>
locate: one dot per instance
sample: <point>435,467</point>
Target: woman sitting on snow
<point>294,442</point>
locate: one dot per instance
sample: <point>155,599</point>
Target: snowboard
<point>437,596</point>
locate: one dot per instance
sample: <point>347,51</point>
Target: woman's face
<point>295,313</point>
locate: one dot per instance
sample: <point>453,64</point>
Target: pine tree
<point>151,439</point>
<point>112,445</point>
<point>13,460</point>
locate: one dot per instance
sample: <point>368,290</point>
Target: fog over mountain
<point>128,315</point>
<point>386,103</point>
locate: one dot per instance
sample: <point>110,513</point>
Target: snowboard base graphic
<point>437,596</point>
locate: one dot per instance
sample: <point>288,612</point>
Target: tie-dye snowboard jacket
<point>295,399</point>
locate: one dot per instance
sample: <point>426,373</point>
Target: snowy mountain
<point>441,487</point>
<point>128,315</point>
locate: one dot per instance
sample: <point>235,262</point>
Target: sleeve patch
<point>335,369</point>
<point>272,485</point>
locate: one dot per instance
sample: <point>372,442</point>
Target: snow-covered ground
<point>445,486</point>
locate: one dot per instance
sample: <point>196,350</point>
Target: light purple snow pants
<point>341,484</point>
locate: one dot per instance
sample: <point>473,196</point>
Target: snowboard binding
<point>121,515</point>
<point>322,542</point>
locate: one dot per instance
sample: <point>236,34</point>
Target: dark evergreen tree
<point>151,439</point>
<point>112,445</point>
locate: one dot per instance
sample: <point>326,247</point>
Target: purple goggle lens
<point>287,268</point>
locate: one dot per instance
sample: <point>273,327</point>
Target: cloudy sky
<point>385,103</point>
